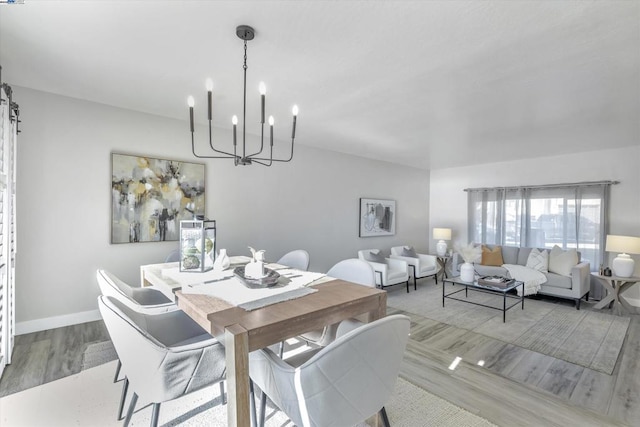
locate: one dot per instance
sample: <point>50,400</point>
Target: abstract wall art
<point>150,196</point>
<point>377,217</point>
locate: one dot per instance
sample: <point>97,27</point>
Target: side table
<point>615,287</point>
<point>442,264</point>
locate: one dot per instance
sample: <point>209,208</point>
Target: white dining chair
<point>146,299</point>
<point>173,256</point>
<point>389,271</point>
<point>165,355</point>
<point>298,259</point>
<point>422,265</point>
<point>341,384</point>
<point>352,270</point>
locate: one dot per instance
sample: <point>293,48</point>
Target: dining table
<point>243,330</point>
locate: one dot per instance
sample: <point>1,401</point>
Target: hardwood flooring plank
<point>531,368</point>
<point>561,378</point>
<point>28,367</point>
<point>593,390</point>
<point>625,401</point>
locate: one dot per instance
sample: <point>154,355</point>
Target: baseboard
<point>56,322</point>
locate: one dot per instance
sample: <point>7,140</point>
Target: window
<point>567,215</point>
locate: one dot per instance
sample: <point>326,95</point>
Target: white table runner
<point>225,286</point>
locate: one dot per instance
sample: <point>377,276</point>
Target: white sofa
<point>576,286</point>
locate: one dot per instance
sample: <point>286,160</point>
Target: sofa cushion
<point>375,256</point>
<point>538,260</point>
<point>408,251</point>
<point>561,262</point>
<point>492,256</point>
<point>558,281</point>
<point>523,256</point>
<point>510,254</point>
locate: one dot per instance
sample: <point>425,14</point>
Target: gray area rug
<point>588,338</point>
<point>90,398</point>
<point>97,354</point>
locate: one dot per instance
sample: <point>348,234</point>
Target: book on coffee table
<point>499,281</point>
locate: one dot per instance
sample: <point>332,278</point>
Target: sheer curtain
<point>567,215</point>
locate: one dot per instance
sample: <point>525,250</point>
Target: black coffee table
<point>487,289</point>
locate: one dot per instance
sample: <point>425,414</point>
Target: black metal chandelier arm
<point>261,143</point>
<point>213,148</point>
<point>278,160</point>
<point>193,150</point>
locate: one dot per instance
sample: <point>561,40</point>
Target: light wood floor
<point>514,387</point>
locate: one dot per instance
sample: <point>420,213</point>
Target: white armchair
<point>423,265</point>
<point>389,271</point>
<point>341,384</point>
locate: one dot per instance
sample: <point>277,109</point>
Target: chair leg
<point>577,303</point>
<point>132,407</point>
<point>123,398</point>
<point>587,296</point>
<point>115,378</point>
<point>281,352</point>
<point>222,395</point>
<point>407,285</point>
<point>155,414</point>
<point>385,419</point>
<point>252,403</point>
<point>263,408</point>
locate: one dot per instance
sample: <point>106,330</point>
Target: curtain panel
<point>567,215</point>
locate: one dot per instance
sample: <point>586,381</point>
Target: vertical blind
<point>568,215</point>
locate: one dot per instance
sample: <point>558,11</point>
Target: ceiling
<point>428,84</point>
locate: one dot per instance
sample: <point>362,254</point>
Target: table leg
<point>611,294</point>
<point>623,302</point>
<point>522,296</point>
<point>237,358</point>
<point>443,286</point>
<point>504,307</point>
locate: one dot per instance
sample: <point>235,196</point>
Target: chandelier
<point>245,33</point>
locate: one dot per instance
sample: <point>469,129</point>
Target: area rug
<point>589,338</point>
<point>90,398</point>
<point>97,354</point>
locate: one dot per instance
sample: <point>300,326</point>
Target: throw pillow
<point>492,256</point>
<point>561,262</point>
<point>408,251</point>
<point>538,260</point>
<point>375,256</point>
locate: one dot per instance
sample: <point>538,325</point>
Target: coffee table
<point>486,289</point>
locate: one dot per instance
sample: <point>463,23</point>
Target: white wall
<point>448,207</point>
<point>63,188</point>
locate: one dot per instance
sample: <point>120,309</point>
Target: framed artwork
<point>150,196</point>
<point>377,217</point>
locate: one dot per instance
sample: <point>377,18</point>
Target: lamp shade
<point>623,265</point>
<point>442,233</point>
<point>623,244</point>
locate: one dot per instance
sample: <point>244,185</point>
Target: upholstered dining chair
<point>147,299</point>
<point>173,256</point>
<point>298,259</point>
<point>165,355</point>
<point>352,270</point>
<point>341,384</point>
<point>389,271</point>
<point>422,265</point>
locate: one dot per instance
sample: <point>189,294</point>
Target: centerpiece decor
<point>255,275</point>
<point>197,245</point>
<point>470,254</point>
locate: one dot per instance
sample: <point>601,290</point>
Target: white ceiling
<point>427,84</point>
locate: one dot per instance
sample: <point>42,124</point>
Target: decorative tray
<point>271,279</point>
<point>499,281</point>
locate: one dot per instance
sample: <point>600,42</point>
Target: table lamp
<point>623,265</point>
<point>441,234</point>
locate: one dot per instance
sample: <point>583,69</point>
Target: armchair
<point>341,384</point>
<point>423,265</point>
<point>389,271</point>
